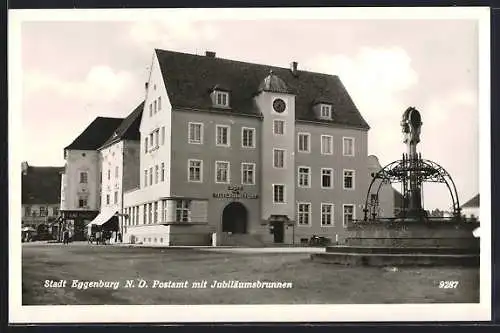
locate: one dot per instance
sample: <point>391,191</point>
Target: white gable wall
<point>112,176</point>
<point>81,161</point>
<point>154,157</point>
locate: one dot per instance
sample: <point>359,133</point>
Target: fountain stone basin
<point>429,242</point>
<point>413,233</point>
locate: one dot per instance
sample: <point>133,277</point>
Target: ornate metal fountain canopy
<point>411,171</point>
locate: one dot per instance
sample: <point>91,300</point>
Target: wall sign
<point>235,192</point>
<point>74,214</point>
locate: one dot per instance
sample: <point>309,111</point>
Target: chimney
<point>209,54</point>
<point>24,167</point>
<point>293,68</point>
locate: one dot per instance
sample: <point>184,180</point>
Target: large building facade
<point>119,157</point>
<point>231,149</point>
<point>81,179</point>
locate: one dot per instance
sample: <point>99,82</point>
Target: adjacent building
<point>471,208</point>
<point>119,156</point>
<point>399,203</point>
<point>81,180</point>
<point>41,197</point>
<point>238,149</point>
<point>382,194</point>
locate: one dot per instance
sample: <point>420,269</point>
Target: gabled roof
<point>189,79</point>
<point>41,185</point>
<point>128,129</point>
<point>474,202</point>
<point>95,134</point>
<point>273,83</point>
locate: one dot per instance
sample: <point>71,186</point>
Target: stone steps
<point>241,240</point>
<point>431,242</point>
<point>399,259</point>
<point>400,250</point>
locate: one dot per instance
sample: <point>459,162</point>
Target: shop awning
<point>103,217</point>
<point>283,218</point>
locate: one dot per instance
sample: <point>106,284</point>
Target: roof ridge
<point>44,166</point>
<point>92,136</point>
<point>101,117</point>
<point>472,201</point>
<point>125,125</point>
<point>246,62</point>
<point>189,77</point>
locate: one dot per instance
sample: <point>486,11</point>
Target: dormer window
<point>326,111</point>
<point>221,98</point>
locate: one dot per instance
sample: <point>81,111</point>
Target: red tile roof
<point>128,129</point>
<point>41,185</point>
<point>474,202</point>
<point>189,79</point>
<point>95,134</point>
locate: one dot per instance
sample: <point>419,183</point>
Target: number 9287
<point>448,284</point>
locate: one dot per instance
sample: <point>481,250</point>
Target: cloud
<point>382,84</point>
<point>101,84</point>
<point>375,79</point>
<point>460,104</point>
<point>372,77</point>
<point>177,33</point>
<point>65,107</point>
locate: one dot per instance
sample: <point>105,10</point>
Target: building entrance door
<point>234,218</point>
<point>279,231</point>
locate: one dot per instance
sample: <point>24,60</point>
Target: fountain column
<point>411,126</point>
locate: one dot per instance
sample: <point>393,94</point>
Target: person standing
<point>66,237</point>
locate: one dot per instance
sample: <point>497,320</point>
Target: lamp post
<point>121,227</point>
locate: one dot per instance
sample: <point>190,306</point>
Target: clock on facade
<point>279,105</point>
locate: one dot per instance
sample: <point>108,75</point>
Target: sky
<point>74,71</point>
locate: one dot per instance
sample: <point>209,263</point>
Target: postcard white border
<point>245,313</point>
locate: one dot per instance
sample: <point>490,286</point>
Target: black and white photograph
<point>279,164</point>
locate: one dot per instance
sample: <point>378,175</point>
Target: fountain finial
<point>411,125</point>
